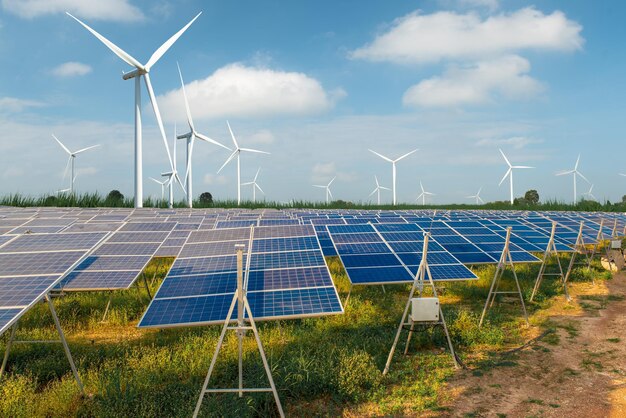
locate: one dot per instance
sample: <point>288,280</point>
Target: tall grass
<point>93,200</point>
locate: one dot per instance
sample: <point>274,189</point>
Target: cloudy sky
<point>316,84</point>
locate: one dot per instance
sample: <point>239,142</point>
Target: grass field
<point>322,367</point>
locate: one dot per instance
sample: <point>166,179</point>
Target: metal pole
<point>8,349</point>
<point>240,307</point>
<point>72,179</point>
<point>238,180</point>
<point>394,182</point>
<point>65,346</point>
<point>138,145</point>
<point>189,174</point>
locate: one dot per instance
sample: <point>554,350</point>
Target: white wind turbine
<point>479,200</point>
<point>574,173</point>
<point>162,183</point>
<point>423,194</point>
<point>71,159</point>
<point>190,136</point>
<point>142,70</point>
<point>329,195</point>
<point>254,185</point>
<point>171,176</point>
<point>509,173</point>
<point>591,196</point>
<point>237,153</point>
<point>378,189</point>
<point>393,163</point>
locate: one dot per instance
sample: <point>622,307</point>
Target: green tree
<point>532,197</point>
<point>115,196</point>
<point>624,199</point>
<point>206,198</point>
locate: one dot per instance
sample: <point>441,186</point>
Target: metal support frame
<point>505,260</point>
<point>423,274</point>
<point>61,340</point>
<point>240,299</point>
<point>550,251</point>
<point>580,248</point>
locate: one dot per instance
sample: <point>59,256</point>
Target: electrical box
<point>425,309</point>
<point>616,244</point>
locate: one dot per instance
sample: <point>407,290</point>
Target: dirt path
<point>577,371</point>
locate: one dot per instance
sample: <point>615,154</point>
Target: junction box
<point>425,309</point>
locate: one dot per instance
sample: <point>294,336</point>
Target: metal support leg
<point>450,346</point>
<point>345,303</point>
<point>64,342</point>
<point>521,295</point>
<point>8,349</point>
<point>408,339</point>
<point>383,286</point>
<point>106,310</point>
<point>145,282</point>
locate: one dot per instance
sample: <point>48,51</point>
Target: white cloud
<point>488,4</point>
<point>261,137</point>
<point>417,38</point>
<point>71,68</point>
<point>112,10</point>
<point>238,90</point>
<point>478,83</point>
<point>13,104</point>
<point>213,179</point>
<point>515,142</point>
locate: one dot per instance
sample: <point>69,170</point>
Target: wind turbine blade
<point>406,155</point>
<point>583,177</point>
<point>61,144</point>
<point>232,135</point>
<point>384,188</point>
<point>157,114</point>
<point>156,181</point>
<point>227,161</point>
<point>577,161</point>
<point>163,48</point>
<point>480,199</point>
<point>375,190</point>
<point>331,182</point>
<point>421,187</point>
<point>180,183</point>
<point>257,174</point>
<point>212,141</point>
<point>254,150</point>
<point>522,166</point>
<point>318,185</point>
<point>182,83</point>
<point>247,184</point>
<point>85,149</point>
<point>479,190</point>
<point>67,166</point>
<point>330,193</point>
<point>562,173</point>
<point>505,159</point>
<point>505,175</point>
<point>376,179</point>
<point>126,57</point>
<point>259,187</point>
<point>381,156</point>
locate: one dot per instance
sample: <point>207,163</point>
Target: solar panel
<point>285,277</point>
<point>391,253</point>
<point>28,271</point>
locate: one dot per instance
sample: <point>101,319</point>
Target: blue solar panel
<point>98,280</point>
<point>20,291</point>
<point>286,277</point>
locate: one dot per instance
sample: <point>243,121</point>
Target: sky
<point>317,84</point>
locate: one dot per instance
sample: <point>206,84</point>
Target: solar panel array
<point>391,253</point>
<point>285,277</point>
<point>32,264</point>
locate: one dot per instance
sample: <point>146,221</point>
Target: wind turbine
<point>142,70</point>
<point>329,195</point>
<point>378,189</point>
<point>162,183</point>
<point>509,173</point>
<point>171,176</point>
<point>237,153</point>
<point>423,194</point>
<point>393,163</point>
<point>591,196</point>
<point>479,200</point>
<point>574,172</point>
<point>71,159</point>
<point>190,136</point>
<point>254,185</point>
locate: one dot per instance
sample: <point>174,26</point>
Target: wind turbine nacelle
<point>132,74</point>
<point>169,173</point>
<point>184,136</point>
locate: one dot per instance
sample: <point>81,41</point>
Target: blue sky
<point>317,84</point>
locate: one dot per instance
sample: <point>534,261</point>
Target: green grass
<point>321,366</point>
<point>92,200</point>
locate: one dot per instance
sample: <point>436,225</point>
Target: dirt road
<point>578,370</point>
